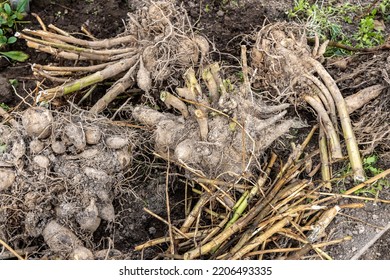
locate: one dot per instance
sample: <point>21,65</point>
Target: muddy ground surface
<point>225,26</point>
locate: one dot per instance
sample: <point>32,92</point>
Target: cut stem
<point>349,136</point>
<point>109,72</point>
<point>325,164</point>
<point>328,126</point>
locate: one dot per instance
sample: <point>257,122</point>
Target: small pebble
<point>152,230</point>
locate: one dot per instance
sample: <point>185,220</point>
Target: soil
<point>226,26</point>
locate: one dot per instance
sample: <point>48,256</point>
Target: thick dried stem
<point>245,71</point>
<point>262,238</point>
<point>92,68</point>
<point>329,99</point>
<point>330,131</point>
<point>100,44</point>
<point>349,136</point>
<point>120,86</point>
<point>201,117</point>
<point>325,164</point>
<point>215,70</point>
<point>211,85</point>
<point>89,80</point>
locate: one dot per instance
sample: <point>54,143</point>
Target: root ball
<point>107,212</point>
<point>124,158</point>
<point>37,122</point>
<point>88,219</point>
<point>144,80</point>
<point>18,149</point>
<point>203,44</point>
<point>188,52</point>
<point>95,174</point>
<point>58,147</point>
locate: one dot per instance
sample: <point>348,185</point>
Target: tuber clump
<point>204,142</point>
<point>61,173</point>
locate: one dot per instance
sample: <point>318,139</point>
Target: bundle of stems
<point>158,42</point>
<point>268,220</point>
<point>280,216</point>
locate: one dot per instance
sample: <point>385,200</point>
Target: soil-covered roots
<point>220,133</point>
<point>278,217</point>
<point>58,173</point>
<point>284,61</point>
<point>158,42</point>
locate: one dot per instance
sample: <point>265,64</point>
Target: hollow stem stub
<point>171,100</point>
<point>201,117</point>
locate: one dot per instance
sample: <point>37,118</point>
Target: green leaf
<point>19,16</point>
<point>370,160</point>
<point>11,40</point>
<point>3,40</point>
<point>7,8</point>
<point>14,82</point>
<point>22,6</point>
<point>3,147</point>
<point>16,55</point>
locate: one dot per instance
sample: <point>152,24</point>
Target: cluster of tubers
<point>220,132</point>
<point>58,170</point>
<point>285,62</point>
<point>63,167</point>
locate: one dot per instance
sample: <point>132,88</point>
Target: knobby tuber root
<point>222,140</point>
<point>158,42</point>
<point>283,61</point>
<point>58,172</point>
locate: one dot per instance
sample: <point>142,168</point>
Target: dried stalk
<point>99,44</point>
<point>334,141</point>
<point>120,86</point>
<point>325,164</point>
<point>349,136</point>
<point>97,77</point>
<point>362,97</point>
<point>261,238</point>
